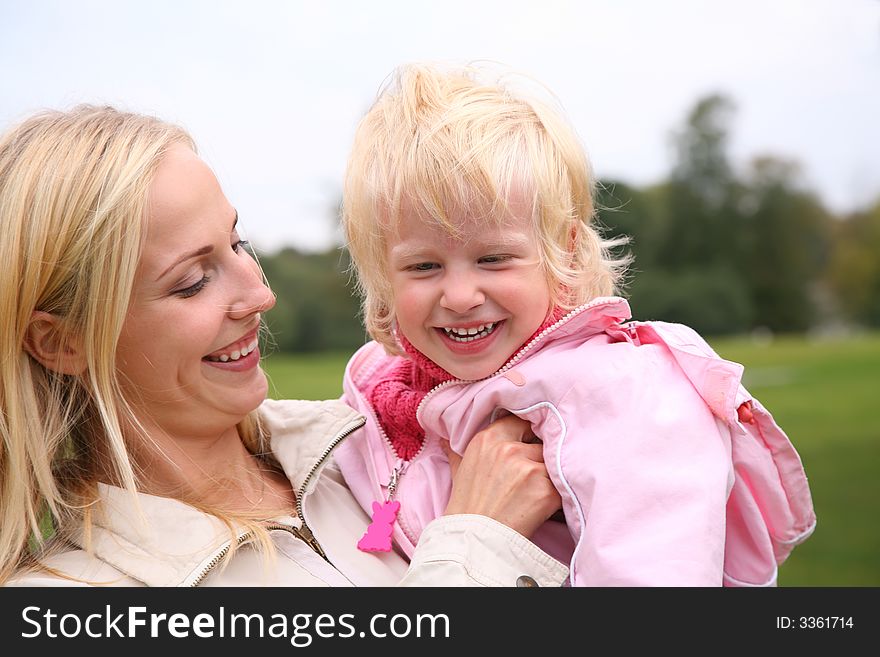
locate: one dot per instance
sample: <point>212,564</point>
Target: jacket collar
<point>169,543</point>
<point>303,432</point>
<point>592,317</point>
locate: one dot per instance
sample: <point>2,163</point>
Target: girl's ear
<point>47,343</point>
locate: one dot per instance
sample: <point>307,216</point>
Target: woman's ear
<point>46,341</point>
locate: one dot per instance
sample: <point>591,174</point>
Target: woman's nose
<point>255,295</point>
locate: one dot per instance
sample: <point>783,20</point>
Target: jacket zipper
<point>240,540</point>
<point>400,466</point>
<point>305,530</point>
<point>304,533</point>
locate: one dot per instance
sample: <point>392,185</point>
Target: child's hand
<point>502,476</point>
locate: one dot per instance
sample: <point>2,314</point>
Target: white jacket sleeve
<point>472,550</point>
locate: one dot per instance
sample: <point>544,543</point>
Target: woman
<point>133,412</point>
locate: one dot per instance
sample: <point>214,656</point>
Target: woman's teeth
<point>469,334</point>
<point>235,355</point>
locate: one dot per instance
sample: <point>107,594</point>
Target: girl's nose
<point>461,293</point>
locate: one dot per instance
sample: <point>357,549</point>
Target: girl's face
<point>467,303</point>
<point>187,356</point>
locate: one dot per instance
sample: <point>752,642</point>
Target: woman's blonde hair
<point>439,140</point>
<point>73,202</point>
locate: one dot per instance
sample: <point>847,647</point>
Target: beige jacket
<point>178,545</point>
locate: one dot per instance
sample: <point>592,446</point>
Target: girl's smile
<point>471,340</point>
<point>469,301</point>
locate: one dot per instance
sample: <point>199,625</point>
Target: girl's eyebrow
<point>407,251</point>
<point>508,242</point>
<point>204,250</point>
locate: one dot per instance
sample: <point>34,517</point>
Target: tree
<point>854,268</point>
<point>315,309</point>
<point>786,232</point>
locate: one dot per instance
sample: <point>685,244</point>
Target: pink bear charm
<point>378,535</point>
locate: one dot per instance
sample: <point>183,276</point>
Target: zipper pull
<point>634,333</point>
<point>378,535</point>
<point>396,473</point>
<point>306,535</point>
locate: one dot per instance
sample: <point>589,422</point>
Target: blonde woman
<point>137,448</point>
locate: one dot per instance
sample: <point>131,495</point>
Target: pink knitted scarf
<point>396,397</point>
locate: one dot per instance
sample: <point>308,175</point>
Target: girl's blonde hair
<point>437,141</point>
<point>73,203</point>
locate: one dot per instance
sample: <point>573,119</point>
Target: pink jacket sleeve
<point>644,470</point>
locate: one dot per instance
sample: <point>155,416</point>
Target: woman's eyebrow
<point>204,250</point>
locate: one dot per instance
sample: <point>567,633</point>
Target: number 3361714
<point>814,622</point>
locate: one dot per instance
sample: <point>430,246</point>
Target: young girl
<point>487,290</point>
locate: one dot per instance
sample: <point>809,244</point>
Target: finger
<point>533,451</point>
<point>513,428</point>
<point>530,438</point>
<point>453,458</point>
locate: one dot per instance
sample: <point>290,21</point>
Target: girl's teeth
<point>468,335</point>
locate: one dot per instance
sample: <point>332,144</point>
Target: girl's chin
<point>470,371</point>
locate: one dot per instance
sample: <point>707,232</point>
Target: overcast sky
<point>271,90</point>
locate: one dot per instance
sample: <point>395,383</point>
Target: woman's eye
<point>193,289</point>
<point>241,245</point>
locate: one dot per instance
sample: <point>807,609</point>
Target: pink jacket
<point>670,473</point>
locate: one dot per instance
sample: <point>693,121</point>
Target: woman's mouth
<point>233,354</point>
<point>238,356</point>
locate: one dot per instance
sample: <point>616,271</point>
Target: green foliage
<point>855,266</point>
<point>786,248</point>
<point>720,252</point>
<point>701,165</point>
<point>315,308</point>
<point>712,298</point>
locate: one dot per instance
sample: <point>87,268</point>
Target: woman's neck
<point>212,470</point>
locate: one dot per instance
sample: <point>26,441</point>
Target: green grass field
<point>823,394</point>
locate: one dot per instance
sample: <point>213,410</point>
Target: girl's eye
<point>423,266</point>
<point>494,259</point>
<point>241,245</point>
<point>194,289</point>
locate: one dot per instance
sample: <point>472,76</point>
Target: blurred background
<point>736,142</point>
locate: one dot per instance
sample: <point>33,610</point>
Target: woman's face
<point>187,356</point>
